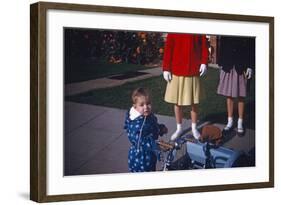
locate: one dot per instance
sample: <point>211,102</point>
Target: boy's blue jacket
<point>142,133</point>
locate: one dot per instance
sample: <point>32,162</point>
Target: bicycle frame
<point>169,150</point>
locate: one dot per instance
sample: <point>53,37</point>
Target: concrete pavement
<point>96,143</point>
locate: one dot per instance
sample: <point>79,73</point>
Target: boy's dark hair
<point>140,92</point>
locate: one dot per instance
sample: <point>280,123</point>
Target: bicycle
<point>205,153</point>
<point>168,151</point>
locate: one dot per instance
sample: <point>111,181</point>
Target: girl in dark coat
<point>237,60</point>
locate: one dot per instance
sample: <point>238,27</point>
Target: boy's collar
<point>133,113</point>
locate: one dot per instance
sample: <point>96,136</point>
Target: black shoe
<point>227,130</point>
<point>241,132</point>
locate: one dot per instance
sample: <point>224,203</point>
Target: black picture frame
<point>38,100</point>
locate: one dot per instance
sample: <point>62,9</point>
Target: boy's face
<point>143,106</point>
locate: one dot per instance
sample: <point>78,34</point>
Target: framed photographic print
<point>108,85</point>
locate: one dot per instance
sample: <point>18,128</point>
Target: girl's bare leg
<point>229,105</point>
<point>194,116</point>
<point>194,113</point>
<point>179,118</point>
<point>241,108</point>
<point>178,114</point>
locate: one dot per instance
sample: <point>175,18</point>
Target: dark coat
<point>238,52</point>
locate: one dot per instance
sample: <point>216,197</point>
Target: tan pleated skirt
<point>183,90</point>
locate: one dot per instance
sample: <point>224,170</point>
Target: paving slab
<point>76,115</point>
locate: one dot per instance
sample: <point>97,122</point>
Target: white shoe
<point>196,134</point>
<point>176,134</point>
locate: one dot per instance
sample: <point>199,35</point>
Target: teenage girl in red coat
<point>185,59</point>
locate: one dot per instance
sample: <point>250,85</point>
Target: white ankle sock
<point>195,132</point>
<point>240,123</point>
<point>177,133</point>
<point>193,126</point>
<point>179,127</point>
<point>229,122</point>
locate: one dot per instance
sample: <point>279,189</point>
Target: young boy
<point>143,129</point>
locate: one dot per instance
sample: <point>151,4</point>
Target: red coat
<point>184,53</point>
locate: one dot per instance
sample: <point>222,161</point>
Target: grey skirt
<point>232,84</point>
